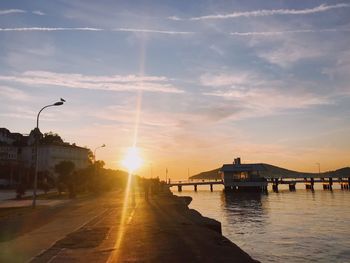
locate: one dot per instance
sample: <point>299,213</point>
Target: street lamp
<point>319,168</point>
<point>58,103</point>
<point>103,145</point>
<point>95,168</point>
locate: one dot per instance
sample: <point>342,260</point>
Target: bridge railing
<point>194,181</point>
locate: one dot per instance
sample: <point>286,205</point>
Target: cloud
<point>126,114</point>
<point>268,100</point>
<point>278,33</point>
<point>51,29</point>
<point>13,94</point>
<point>223,79</point>
<point>175,18</point>
<point>140,30</point>
<point>289,54</point>
<point>133,30</point>
<point>291,50</point>
<point>257,95</point>
<point>271,12</point>
<point>12,11</point>
<point>217,50</point>
<point>339,71</point>
<point>38,12</point>
<point>79,81</point>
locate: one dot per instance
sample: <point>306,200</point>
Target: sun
<point>132,160</point>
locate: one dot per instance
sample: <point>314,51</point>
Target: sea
<point>300,226</point>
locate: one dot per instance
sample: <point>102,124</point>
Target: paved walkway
<point>27,203</point>
<point>100,230</point>
<point>42,228</point>
<point>11,194</point>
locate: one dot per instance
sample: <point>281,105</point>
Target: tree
<point>99,164</point>
<point>50,138</point>
<point>90,156</point>
<point>44,178</point>
<point>65,169</point>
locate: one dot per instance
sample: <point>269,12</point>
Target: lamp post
<point>319,168</point>
<point>36,134</point>
<point>95,168</point>
<point>103,145</point>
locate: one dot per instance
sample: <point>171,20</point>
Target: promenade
<point>98,229</point>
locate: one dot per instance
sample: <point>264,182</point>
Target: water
<point>300,226</point>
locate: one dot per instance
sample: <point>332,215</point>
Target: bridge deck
<point>190,182</point>
<point>270,181</point>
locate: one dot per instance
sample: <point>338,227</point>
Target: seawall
<point>172,232</point>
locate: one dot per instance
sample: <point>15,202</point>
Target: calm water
<point>301,226</point>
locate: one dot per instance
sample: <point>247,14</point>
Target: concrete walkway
<point>161,229</point>
<point>28,203</point>
<point>42,228</point>
<point>11,194</point>
<point>158,230</point>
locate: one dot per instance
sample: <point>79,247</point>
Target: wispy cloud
<point>223,79</point>
<point>267,12</point>
<point>278,33</point>
<point>257,95</point>
<point>293,50</point>
<point>79,81</point>
<point>268,100</point>
<point>13,94</point>
<point>125,114</point>
<point>38,12</point>
<point>51,29</point>
<point>175,18</point>
<point>12,11</point>
<point>140,30</point>
<point>132,30</point>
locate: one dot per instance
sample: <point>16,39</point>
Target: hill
<point>271,171</point>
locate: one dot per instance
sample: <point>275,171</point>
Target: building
<point>17,152</point>
<point>237,176</point>
<point>51,154</point>
<point>10,162</point>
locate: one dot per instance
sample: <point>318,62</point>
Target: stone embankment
<point>165,229</point>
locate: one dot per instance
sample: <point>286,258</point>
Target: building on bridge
<point>238,176</point>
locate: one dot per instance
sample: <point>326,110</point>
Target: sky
<point>193,84</point>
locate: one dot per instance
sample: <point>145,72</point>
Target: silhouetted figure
<point>146,188</point>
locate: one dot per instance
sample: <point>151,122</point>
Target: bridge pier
<point>195,188</point>
<point>309,185</point>
<point>342,184</point>
<point>292,187</point>
<point>275,185</point>
<point>179,188</point>
<point>328,185</point>
<point>347,184</point>
<point>211,187</point>
<point>264,189</point>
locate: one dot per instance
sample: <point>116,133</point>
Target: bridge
<point>291,182</point>
<point>195,183</point>
<point>309,182</point>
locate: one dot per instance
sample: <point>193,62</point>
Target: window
<point>244,175</point>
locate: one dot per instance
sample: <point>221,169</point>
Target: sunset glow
<point>132,160</point>
<point>192,84</point>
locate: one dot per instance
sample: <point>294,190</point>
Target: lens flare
<point>132,160</point>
